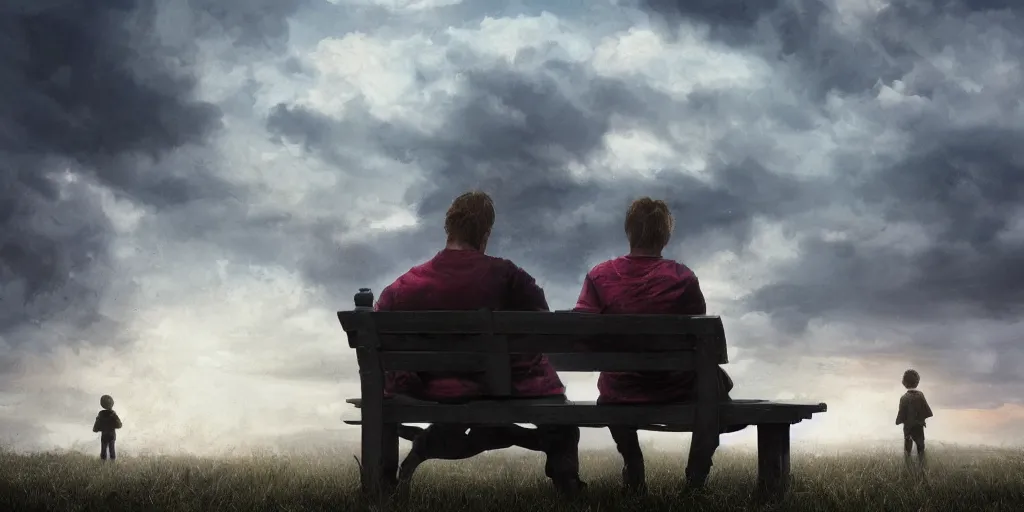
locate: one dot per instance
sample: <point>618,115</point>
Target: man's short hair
<point>470,218</point>
<point>911,379</point>
<point>648,224</point>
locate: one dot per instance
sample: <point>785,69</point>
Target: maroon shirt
<point>642,285</point>
<point>457,280</point>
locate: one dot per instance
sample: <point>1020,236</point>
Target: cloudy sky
<point>189,189</point>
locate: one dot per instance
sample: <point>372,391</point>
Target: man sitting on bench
<point>643,282</point>
<point>461,277</point>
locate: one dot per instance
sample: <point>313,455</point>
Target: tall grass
<point>957,479</point>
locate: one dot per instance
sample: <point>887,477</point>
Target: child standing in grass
<point>107,424</point>
<point>913,412</point>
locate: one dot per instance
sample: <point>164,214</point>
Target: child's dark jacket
<point>914,409</point>
<point>107,422</point>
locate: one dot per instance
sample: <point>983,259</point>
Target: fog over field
<point>189,189</point>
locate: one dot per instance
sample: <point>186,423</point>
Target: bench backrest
<point>483,341</point>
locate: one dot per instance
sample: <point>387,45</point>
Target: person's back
<point>642,285</point>
<point>467,280</point>
<point>914,409</point>
<point>107,423</point>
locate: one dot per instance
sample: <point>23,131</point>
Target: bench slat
<point>682,415</point>
<point>538,343</point>
<point>519,322</point>
<point>406,432</point>
<point>640,351</point>
<point>535,332</point>
<point>590,414</point>
<point>469,362</point>
<point>419,322</point>
<point>533,344</point>
<point>404,399</point>
<point>475,362</point>
<point>440,343</point>
<point>622,362</point>
<point>530,322</point>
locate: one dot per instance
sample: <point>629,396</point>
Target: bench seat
<point>658,417</point>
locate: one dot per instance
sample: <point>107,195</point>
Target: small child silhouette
<point>913,412</point>
<point>107,424</point>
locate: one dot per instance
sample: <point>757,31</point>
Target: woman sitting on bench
<point>644,282</point>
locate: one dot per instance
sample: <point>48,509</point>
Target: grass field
<point>957,479</point>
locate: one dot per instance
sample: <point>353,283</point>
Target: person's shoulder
<point>407,277</point>
<point>414,271</point>
<point>504,265</point>
<point>683,271</point>
<point>605,267</point>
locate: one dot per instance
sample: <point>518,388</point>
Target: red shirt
<point>456,280</point>
<point>642,285</point>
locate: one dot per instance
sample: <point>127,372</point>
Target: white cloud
<point>635,151</point>
<point>679,67</point>
<point>508,37</point>
<point>380,72</point>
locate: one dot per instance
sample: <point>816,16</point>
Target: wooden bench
<point>482,341</point>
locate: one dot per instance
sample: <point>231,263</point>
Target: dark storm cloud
<point>830,55</point>
<point>748,13</point>
<point>70,102</point>
<point>732,21</point>
<point>515,134</point>
<point>963,188</point>
<point>253,23</point>
<point>958,6</point>
<point>743,13</point>
<point>86,90</point>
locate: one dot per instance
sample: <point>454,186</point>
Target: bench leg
<point>773,475</point>
<point>379,459</point>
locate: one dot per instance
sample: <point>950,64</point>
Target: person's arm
<point>96,424</point>
<point>901,416</point>
<point>589,300</point>
<point>385,301</point>
<point>115,419</point>
<point>926,412</point>
<point>523,293</point>
<point>691,301</point>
